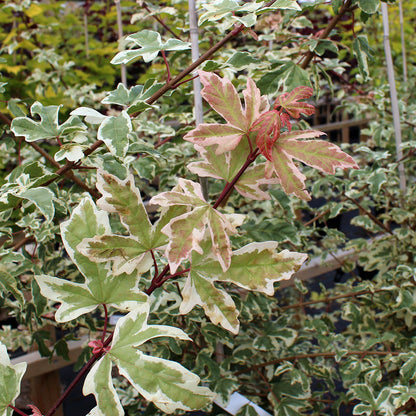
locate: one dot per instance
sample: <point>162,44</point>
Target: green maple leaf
<point>133,252</point>
<point>226,166</point>
<point>165,383</point>
<point>186,231</point>
<point>10,379</point>
<point>48,127</point>
<point>150,44</point>
<point>135,97</point>
<point>256,266</point>
<point>100,286</point>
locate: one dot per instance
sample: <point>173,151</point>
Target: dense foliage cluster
<point>168,244</point>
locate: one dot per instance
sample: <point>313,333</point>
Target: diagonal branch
<point>345,8</point>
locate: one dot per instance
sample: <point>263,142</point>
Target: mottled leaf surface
<point>114,132</point>
<point>165,383</point>
<point>222,96</point>
<point>256,266</point>
<point>186,231</point>
<point>48,127</point>
<point>101,286</point>
<point>151,44</point>
<point>10,379</point>
<point>321,155</point>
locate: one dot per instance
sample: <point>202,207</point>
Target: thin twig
<point>159,20</point>
<point>317,355</point>
<point>369,214</point>
<point>332,299</point>
<point>326,32</point>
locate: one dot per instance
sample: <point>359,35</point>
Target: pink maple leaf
<point>290,102</point>
<point>319,154</point>
<point>222,96</point>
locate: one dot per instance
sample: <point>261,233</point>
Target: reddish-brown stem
<point>325,33</point>
<point>52,161</point>
<point>15,409</point>
<point>184,81</point>
<point>159,20</point>
<point>80,375</point>
<point>157,281</point>
<point>167,65</point>
<point>316,355</point>
<point>369,214</point>
<point>230,185</point>
<point>105,323</point>
<point>154,263</point>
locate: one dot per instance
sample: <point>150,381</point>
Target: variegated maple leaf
<point>226,166</point>
<point>222,96</point>
<point>186,231</point>
<point>256,266</point>
<point>319,154</point>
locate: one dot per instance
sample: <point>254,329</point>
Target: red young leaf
<point>267,127</point>
<point>35,410</point>
<point>289,102</point>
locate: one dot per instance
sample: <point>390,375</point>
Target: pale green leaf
<point>253,267</point>
<point>71,152</point>
<point>100,286</point>
<point>135,97</point>
<point>99,383</point>
<point>408,369</point>
<point>165,383</point>
<point>285,4</point>
<point>123,198</point>
<point>150,44</point>
<point>127,253</point>
<point>217,304</point>
<point>186,231</point>
<point>91,116</point>
<point>43,200</point>
<point>114,131</point>
<point>48,127</point>
<point>256,266</point>
<point>8,284</point>
<point>242,60</point>
<point>369,6</point>
<point>10,379</point>
<point>362,52</point>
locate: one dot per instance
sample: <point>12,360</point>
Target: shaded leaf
<point>255,266</point>
<point>165,383</point>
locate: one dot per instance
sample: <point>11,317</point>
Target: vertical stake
<point>393,95</point>
<point>199,114</point>
<point>120,36</point>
